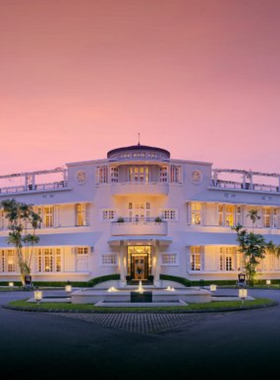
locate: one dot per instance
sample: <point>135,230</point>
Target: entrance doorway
<point>139,262</point>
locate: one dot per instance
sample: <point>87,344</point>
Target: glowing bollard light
<point>213,288</point>
<point>38,296</point>
<point>11,285</point>
<point>242,294</point>
<point>169,289</point>
<point>268,282</point>
<point>112,289</point>
<point>68,289</point>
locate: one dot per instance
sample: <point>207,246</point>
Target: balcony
<point>42,180</point>
<point>141,227</point>
<point>149,188</point>
<point>39,187</point>
<point>240,186</point>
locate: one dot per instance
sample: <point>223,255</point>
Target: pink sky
<point>197,77</point>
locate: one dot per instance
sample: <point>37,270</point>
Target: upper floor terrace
<point>235,179</point>
<point>41,180</point>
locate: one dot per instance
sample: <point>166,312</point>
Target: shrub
<point>158,219</point>
<point>180,280</point>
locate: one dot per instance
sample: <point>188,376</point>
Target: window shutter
<point>202,258</point>
<point>87,214</point>
<point>188,257</point>
<point>56,221</point>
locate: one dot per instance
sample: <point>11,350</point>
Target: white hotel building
<point>140,213</point>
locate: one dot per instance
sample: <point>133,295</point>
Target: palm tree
<point>254,216</point>
<point>20,216</point>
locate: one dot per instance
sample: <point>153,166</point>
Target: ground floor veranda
<point>135,259</point>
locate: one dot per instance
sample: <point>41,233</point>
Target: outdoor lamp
<point>243,294</point>
<point>38,295</point>
<point>11,284</point>
<point>213,288</point>
<point>268,282</point>
<point>68,288</point>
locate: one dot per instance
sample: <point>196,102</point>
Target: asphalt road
<point>229,345</point>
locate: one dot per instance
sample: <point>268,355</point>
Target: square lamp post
<point>68,289</point>
<point>213,288</point>
<point>11,285</point>
<point>243,293</point>
<point>268,282</point>
<point>38,296</point>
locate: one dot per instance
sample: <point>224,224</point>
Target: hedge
<point>88,284</point>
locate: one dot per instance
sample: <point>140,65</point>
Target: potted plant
<point>158,219</point>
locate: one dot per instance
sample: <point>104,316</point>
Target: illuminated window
<point>220,215</point>
<point>267,217</point>
<point>8,261</point>
<point>227,258</point>
<point>11,261</point>
<point>196,213</point>
<point>49,260</point>
<point>229,215</point>
<point>195,258</point>
<point>82,250</point>
<point>48,216</point>
<point>139,211</point>
<point>3,220</point>
<point>139,174</point>
<point>82,214</point>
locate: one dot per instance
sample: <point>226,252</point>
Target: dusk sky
<point>200,78</point>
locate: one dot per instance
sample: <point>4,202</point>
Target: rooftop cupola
<point>138,152</point>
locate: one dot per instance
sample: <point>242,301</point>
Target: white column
<point>235,258</point>
<point>204,214</point>
<point>122,266</point>
<point>189,213</point>
<point>188,257</point>
<point>156,264</point>
<point>26,182</point>
<point>33,182</point>
<point>64,177</point>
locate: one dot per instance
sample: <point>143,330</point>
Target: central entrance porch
<point>139,256</point>
<point>139,264</point>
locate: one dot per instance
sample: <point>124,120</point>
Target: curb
<point>140,311</point>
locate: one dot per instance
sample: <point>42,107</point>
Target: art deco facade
<point>141,214</point>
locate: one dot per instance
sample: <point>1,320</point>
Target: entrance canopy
<point>145,239</point>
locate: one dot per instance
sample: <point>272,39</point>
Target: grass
<point>202,307</point>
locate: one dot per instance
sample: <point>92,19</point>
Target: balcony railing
<point>240,186</point>
<point>39,187</point>
<point>139,226</point>
<point>155,188</point>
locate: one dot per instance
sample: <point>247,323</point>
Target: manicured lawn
<point>211,306</point>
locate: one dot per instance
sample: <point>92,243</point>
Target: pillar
<point>122,266</point>
<point>156,264</point>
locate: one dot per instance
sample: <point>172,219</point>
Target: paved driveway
<point>221,345</point>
